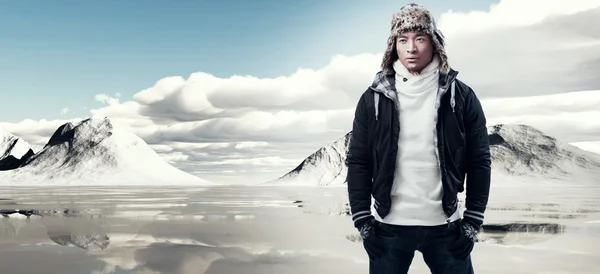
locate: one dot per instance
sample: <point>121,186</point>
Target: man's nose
<point>411,47</point>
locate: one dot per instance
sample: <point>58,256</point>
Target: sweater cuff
<point>361,217</point>
<point>474,217</point>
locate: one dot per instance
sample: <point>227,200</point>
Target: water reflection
<point>253,230</point>
<point>542,228</point>
<point>76,232</point>
<point>126,230</point>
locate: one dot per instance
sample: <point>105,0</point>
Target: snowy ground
<point>268,230</point>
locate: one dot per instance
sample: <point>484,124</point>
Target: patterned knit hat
<point>413,17</point>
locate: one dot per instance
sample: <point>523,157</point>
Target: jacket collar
<point>386,83</point>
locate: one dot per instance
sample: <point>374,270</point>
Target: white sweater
<point>417,189</point>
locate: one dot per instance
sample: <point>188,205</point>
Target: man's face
<point>415,50</point>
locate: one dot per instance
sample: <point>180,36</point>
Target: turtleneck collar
<point>417,83</point>
<point>402,71</point>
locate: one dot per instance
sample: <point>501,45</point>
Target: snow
<point>325,167</point>
<point>519,153</point>
<point>12,145</point>
<point>522,150</point>
<point>298,229</point>
<point>95,152</point>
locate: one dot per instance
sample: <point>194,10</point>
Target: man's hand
<point>367,229</point>
<point>462,247</point>
<point>470,231</point>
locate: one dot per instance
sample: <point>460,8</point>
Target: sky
<point>245,90</point>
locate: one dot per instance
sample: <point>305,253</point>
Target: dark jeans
<point>391,249</point>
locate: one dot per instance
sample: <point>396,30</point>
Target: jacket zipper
<point>437,149</point>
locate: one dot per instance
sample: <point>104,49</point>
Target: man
<point>418,132</point>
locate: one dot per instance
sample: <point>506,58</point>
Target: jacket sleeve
<point>478,161</point>
<point>359,177</point>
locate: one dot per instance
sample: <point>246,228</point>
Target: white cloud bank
<point>259,128</point>
<point>510,14</point>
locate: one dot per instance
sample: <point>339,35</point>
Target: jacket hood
<point>386,84</point>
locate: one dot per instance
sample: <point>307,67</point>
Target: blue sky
<point>57,54</point>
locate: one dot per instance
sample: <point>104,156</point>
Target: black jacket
<point>461,140</point>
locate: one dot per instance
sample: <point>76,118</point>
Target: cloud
<point>553,104</point>
<point>510,14</point>
<point>111,101</point>
<point>203,96</point>
<point>65,110</point>
<point>559,54</point>
<point>589,146</point>
<point>567,116</point>
<point>552,51</point>
<point>36,133</point>
<point>229,161</point>
<point>263,127</point>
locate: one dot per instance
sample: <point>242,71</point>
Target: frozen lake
<point>245,229</point>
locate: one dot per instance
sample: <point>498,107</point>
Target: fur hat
<point>413,17</point>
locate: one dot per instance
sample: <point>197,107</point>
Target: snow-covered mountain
<point>13,150</point>
<point>327,166</point>
<point>93,152</point>
<point>521,150</point>
<point>517,151</point>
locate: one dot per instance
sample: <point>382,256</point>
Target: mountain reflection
<point>77,232</point>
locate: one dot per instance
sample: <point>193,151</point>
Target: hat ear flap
<point>388,56</point>
<point>440,37</point>
<point>439,47</point>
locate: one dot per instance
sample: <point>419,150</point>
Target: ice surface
<point>253,229</point>
<point>95,152</point>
